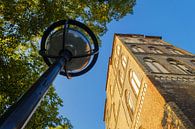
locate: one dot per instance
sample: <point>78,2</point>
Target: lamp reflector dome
<point>75,42</point>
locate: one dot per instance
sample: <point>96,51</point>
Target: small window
<point>140,49</point>
<point>124,61</point>
<point>178,52</point>
<point>135,82</point>
<point>159,51</point>
<point>155,66</point>
<point>173,51</point>
<point>116,62</point>
<point>118,49</point>
<point>179,66</point>
<point>155,50</point>
<point>136,49</point>
<point>121,77</point>
<point>130,101</point>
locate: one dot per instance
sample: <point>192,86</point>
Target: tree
<point>17,72</point>
<point>60,127</point>
<point>22,23</point>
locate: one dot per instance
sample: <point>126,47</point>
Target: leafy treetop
<point>22,23</point>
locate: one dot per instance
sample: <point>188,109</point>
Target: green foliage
<point>22,23</point>
<point>33,16</point>
<point>20,67</point>
<point>60,127</point>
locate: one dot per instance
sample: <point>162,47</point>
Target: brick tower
<point>150,85</point>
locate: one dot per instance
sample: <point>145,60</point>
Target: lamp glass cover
<point>75,42</point>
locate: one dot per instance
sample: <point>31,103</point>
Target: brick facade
<point>150,85</point>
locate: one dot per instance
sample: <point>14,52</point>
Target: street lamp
<point>68,47</point>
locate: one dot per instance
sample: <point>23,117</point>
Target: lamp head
<point>75,43</point>
<point>74,37</point>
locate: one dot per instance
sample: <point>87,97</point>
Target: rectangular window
<point>122,78</point>
<point>134,86</point>
<point>152,67</point>
<point>178,52</point>
<point>131,104</point>
<point>134,49</point>
<point>184,72</point>
<point>140,50</point>
<point>133,98</point>
<point>124,61</point>
<point>160,67</point>
<point>136,79</point>
<point>118,50</point>
<point>158,51</point>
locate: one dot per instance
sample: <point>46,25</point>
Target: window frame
<point>179,66</point>
<point>121,78</point>
<point>155,50</point>
<point>136,49</point>
<point>124,61</point>
<point>174,51</point>
<point>128,96</point>
<point>133,81</point>
<point>118,49</point>
<point>116,62</point>
<point>155,66</point>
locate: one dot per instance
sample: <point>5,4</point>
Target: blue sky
<point>84,96</point>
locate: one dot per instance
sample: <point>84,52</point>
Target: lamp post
<point>68,47</point>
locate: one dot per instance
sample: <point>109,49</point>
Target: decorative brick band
<point>140,105</point>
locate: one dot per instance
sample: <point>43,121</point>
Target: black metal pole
<point>20,113</point>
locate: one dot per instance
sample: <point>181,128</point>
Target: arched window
<point>124,61</point>
<point>118,50</point>
<point>155,50</point>
<point>136,49</point>
<point>121,77</point>
<point>135,82</point>
<point>130,102</point>
<point>179,66</point>
<point>116,62</point>
<point>178,52</point>
<point>155,66</point>
<point>174,51</point>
